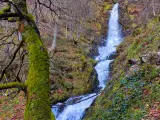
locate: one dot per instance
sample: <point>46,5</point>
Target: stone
<point>112,56</point>
<point>151,58</point>
<point>133,61</point>
<point>145,57</point>
<point>134,68</point>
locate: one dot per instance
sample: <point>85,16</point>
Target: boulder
<point>150,58</point>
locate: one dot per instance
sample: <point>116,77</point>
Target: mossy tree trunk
<point>37,85</point>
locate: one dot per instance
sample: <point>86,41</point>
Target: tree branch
<point>14,55</point>
<point>12,85</point>
<point>6,36</point>
<point>8,14</point>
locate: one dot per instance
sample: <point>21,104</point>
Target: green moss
<point>137,31</point>
<point>38,85</point>
<point>6,8</point>
<point>107,6</point>
<point>12,85</point>
<point>10,19</point>
<point>68,85</point>
<point>83,59</point>
<point>93,62</point>
<point>133,50</point>
<point>31,17</point>
<point>1,12</point>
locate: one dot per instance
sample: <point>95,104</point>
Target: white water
<point>74,108</point>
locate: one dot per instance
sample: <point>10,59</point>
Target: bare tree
<point>37,85</point>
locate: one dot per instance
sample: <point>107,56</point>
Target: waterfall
<point>74,108</point>
<point>113,39</point>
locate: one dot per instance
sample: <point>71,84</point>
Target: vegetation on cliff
<point>134,89</point>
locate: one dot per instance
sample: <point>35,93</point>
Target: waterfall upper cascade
<point>74,108</point>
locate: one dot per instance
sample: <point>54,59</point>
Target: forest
<point>79,60</point>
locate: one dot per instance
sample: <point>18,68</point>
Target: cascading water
<point>74,108</point>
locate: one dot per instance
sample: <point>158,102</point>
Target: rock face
<point>150,58</point>
<point>136,13</point>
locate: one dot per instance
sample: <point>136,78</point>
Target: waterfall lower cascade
<point>74,108</point>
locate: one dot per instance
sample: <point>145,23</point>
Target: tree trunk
<point>53,47</point>
<point>38,85</point>
<point>154,11</point>
<point>38,105</point>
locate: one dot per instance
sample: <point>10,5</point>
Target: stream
<point>74,108</point>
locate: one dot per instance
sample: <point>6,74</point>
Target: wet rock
<point>73,100</point>
<point>112,56</point>
<point>60,107</point>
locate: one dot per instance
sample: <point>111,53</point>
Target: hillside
<point>133,91</point>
